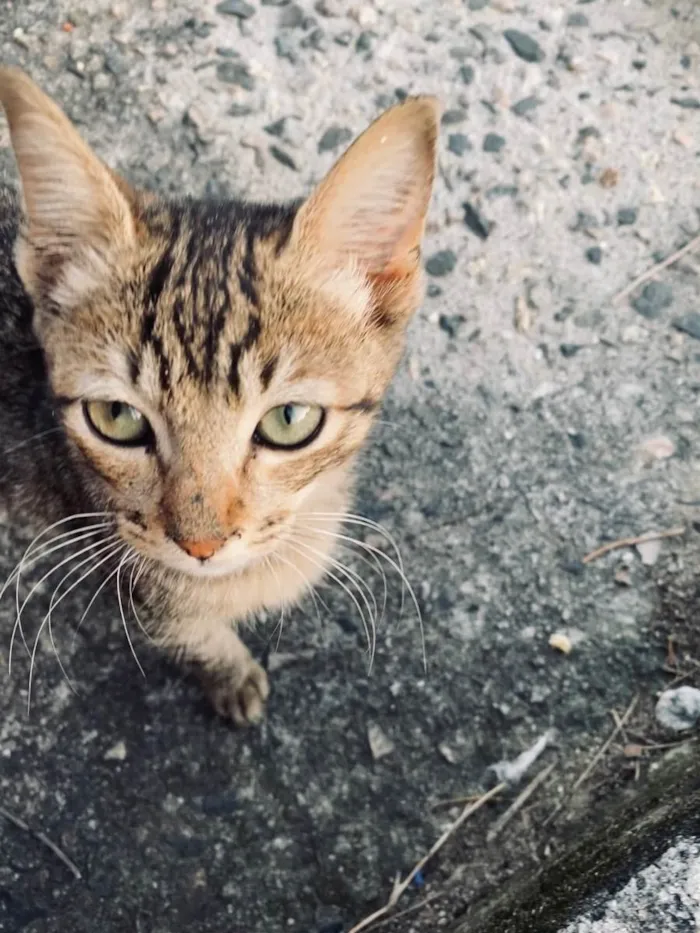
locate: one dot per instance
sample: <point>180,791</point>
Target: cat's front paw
<point>239,694</point>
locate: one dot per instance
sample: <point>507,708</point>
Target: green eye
<point>118,423</point>
<point>289,426</point>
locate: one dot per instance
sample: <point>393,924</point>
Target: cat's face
<point>217,366</point>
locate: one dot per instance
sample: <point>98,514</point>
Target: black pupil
<point>116,410</point>
<point>289,414</point>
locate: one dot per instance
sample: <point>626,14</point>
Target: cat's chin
<point>210,569</point>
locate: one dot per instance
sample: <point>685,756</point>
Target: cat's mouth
<point>231,558</point>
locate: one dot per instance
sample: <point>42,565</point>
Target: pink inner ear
<point>373,202</point>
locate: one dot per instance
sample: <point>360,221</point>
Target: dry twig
<point>455,801</point>
<point>619,726</point>
<point>44,839</point>
<point>606,745</point>
<point>519,802</point>
<point>409,910</point>
<point>400,886</point>
<point>631,542</point>
<point>659,267</point>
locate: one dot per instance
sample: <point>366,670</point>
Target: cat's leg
<point>236,685</point>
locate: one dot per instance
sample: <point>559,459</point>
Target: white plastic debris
<point>679,709</point>
<point>379,742</point>
<point>649,551</point>
<point>117,752</point>
<point>512,772</point>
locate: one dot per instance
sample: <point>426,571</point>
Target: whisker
<point>111,547</point>
<point>20,609</point>
<point>94,597</point>
<point>299,544</point>
<point>137,569</point>
<point>30,440</point>
<point>392,563</point>
<point>316,597</point>
<point>47,549</point>
<point>45,621</point>
<point>374,565</point>
<point>280,623</point>
<point>352,518</point>
<point>130,555</point>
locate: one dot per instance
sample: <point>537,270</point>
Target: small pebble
<point>687,103</point>
<point>689,323</point>
<point>292,17</point>
<point>568,350</point>
<point>525,106</point>
<point>441,263</point>
<point>477,4</point>
<point>282,157</point>
<point>655,298</point>
<point>458,143</point>
<point>627,216</point>
<point>679,709</point>
<point>334,137</point>
<point>450,117</point>
<point>364,42</point>
<point>594,255</point>
<point>276,128</point>
<point>476,222</point>
<point>524,46</point>
<point>502,191</point>
<point>560,642</point>
<point>470,48</point>
<point>238,8</point>
<point>493,142</point>
<point>433,290</point>
<point>285,49</point>
<point>577,20</point>
<point>451,324</point>
<point>466,74</point>
<point>658,447</point>
<point>235,73</point>
<point>239,110</point>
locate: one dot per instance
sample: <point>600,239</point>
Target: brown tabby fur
<point>203,316</point>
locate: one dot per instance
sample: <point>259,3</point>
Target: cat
<point>186,385</point>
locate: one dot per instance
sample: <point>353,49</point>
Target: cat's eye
<point>290,426</point>
<point>118,423</point>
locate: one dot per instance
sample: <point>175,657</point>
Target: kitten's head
<point>217,365</point>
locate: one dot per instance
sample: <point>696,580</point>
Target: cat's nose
<point>203,549</point>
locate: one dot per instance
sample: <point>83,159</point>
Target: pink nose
<point>203,549</point>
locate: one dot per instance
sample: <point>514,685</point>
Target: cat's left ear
<point>370,210</point>
<point>78,214</point>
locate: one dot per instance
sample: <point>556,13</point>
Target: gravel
<point>458,143</point>
<point>334,137</point>
<point>627,216</point>
<point>441,263</point>
<point>472,467</point>
<point>476,222</point>
<point>493,142</point>
<point>524,46</point>
<point>238,8</point>
<point>689,323</point>
<point>678,710</point>
<point>654,299</point>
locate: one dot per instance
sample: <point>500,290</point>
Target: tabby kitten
<point>188,383</point>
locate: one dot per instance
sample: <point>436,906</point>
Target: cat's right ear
<point>78,214</point>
